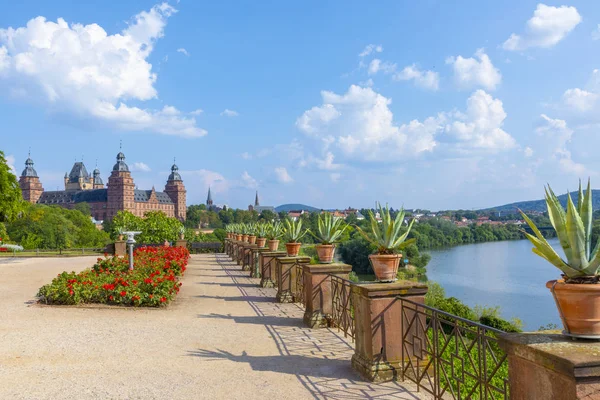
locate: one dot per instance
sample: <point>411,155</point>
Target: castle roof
<point>97,179</point>
<point>69,196</point>
<point>120,165</point>
<point>78,172</point>
<point>175,173</point>
<point>29,171</point>
<point>144,195</point>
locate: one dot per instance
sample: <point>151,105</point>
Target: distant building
<point>120,193</point>
<point>295,214</point>
<point>258,208</point>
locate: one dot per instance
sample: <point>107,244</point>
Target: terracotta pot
<point>293,249</point>
<point>385,266</point>
<point>244,238</point>
<point>238,238</point>
<point>120,237</point>
<point>251,239</point>
<point>181,236</point>
<point>260,242</point>
<point>579,306</point>
<point>325,253</point>
<point>273,245</point>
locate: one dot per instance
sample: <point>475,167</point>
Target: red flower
<point>71,292</point>
<point>151,296</point>
<point>111,297</point>
<point>148,280</point>
<point>163,299</point>
<point>123,293</point>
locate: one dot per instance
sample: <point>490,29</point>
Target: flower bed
<point>152,283</point>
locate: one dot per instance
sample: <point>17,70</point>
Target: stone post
<point>551,366</point>
<point>286,277</point>
<point>181,243</point>
<point>246,259</point>
<point>254,264</point>
<point>266,262</point>
<point>378,335</point>
<point>226,244</point>
<point>240,252</point>
<point>318,292</point>
<point>120,248</point>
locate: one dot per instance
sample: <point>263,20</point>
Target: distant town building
<point>258,208</point>
<point>295,214</point>
<point>210,206</point>
<point>119,194</point>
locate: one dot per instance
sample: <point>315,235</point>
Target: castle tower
<point>78,178</point>
<point>176,191</point>
<point>96,180</point>
<point>209,200</point>
<point>30,184</point>
<point>120,194</point>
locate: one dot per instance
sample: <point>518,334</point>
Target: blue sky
<point>428,104</point>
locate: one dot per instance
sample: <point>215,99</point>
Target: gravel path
<point>223,338</point>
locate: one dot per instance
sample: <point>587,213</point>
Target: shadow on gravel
<point>252,285</point>
<point>258,320</point>
<point>254,299</point>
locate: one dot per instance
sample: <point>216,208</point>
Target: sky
<point>422,104</point>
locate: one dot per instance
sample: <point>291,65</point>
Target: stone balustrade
<point>286,270</point>
<point>267,263</point>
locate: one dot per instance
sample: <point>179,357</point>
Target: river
<point>505,274</point>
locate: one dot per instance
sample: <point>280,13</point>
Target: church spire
<point>209,200</point>
<point>256,202</point>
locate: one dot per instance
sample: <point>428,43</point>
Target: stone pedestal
<point>286,277</point>
<point>266,261</point>
<point>254,264</point>
<point>240,252</point>
<point>246,258</point>
<point>226,244</point>
<point>378,334</point>
<point>120,248</point>
<point>181,243</point>
<point>551,366</point>
<point>318,293</point>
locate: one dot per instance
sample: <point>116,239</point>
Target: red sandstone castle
<point>120,192</point>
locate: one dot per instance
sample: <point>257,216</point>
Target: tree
<point>84,208</point>
<point>11,199</point>
<point>268,215</point>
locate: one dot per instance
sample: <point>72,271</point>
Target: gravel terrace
<point>223,338</point>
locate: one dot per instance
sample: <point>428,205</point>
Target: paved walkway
<point>224,338</point>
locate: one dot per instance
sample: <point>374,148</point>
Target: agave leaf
<point>579,198</point>
<point>558,219</point>
<point>543,249</point>
<point>576,234</point>
<point>586,214</point>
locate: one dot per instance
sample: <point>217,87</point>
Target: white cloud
<point>229,113</point>
<point>82,70</point>
<point>555,136</point>
<point>361,124</point>
<point>282,175</point>
<point>140,166</point>
<point>528,151</point>
<point>248,181</point>
<point>475,71</point>
<point>335,176</point>
<point>10,161</point>
<point>326,163</point>
<point>197,111</point>
<point>377,65</point>
<point>183,51</point>
<point>246,156</point>
<point>425,79</point>
<point>377,48</point>
<point>548,26</point>
<point>580,100</point>
<point>205,178</point>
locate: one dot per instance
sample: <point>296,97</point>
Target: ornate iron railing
<point>298,287</point>
<point>451,357</point>
<point>342,308</point>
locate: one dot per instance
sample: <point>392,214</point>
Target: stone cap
<point>390,289</point>
<point>335,268</point>
<point>575,358</point>
<point>294,260</point>
<point>260,249</point>
<point>250,246</point>
<point>274,253</point>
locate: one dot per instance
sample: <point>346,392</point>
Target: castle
<point>119,194</point>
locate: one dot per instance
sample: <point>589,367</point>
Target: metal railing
<point>342,307</point>
<point>298,287</point>
<point>50,252</point>
<point>451,357</point>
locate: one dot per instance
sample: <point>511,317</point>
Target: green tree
<point>11,200</point>
<point>84,208</point>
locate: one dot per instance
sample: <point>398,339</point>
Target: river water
<point>505,274</point>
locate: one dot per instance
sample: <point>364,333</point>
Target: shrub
<point>499,323</point>
<point>153,281</point>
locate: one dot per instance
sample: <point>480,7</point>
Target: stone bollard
<point>318,293</point>
<point>286,277</point>
<point>254,264</point>
<point>378,335</point>
<point>267,264</point>
<point>246,259</point>
<point>181,243</point>
<point>551,366</point>
<point>120,248</point>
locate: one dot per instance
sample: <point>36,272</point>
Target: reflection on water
<point>505,274</point>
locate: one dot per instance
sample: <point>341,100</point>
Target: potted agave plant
<point>262,230</point>
<point>293,233</point>
<point>275,231</point>
<point>577,294</point>
<point>238,232</point>
<point>120,231</point>
<point>330,229</point>
<point>181,232</point>
<point>245,231</point>
<point>252,233</point>
<point>387,237</point>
